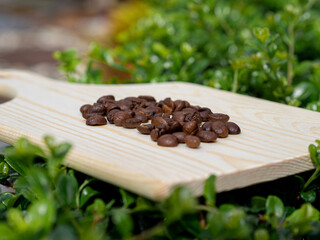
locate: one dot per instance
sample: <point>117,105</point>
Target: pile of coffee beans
<point>167,122</point>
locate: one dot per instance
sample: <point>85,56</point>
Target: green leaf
<point>261,234</point>
<point>63,232</point>
<point>274,206</point>
<point>209,192</point>
<point>68,60</point>
<point>313,151</point>
<point>86,194</point>
<point>258,203</point>
<point>97,209</point>
<point>67,187</point>
<point>314,106</point>
<point>309,196</point>
<point>16,220</point>
<point>262,34</point>
<point>300,220</point>
<point>123,221</point>
<point>127,198</point>
<point>8,199</point>
<point>305,92</point>
<point>41,215</point>
<point>180,202</point>
<point>4,170</point>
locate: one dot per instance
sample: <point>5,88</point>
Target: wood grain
<point>273,142</point>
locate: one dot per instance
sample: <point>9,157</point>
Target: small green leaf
<point>313,151</point>
<point>209,192</point>
<point>123,221</point>
<point>261,234</point>
<point>262,34</point>
<point>67,187</point>
<point>309,196</point>
<point>258,203</point>
<point>97,209</point>
<point>300,220</point>
<point>86,194</point>
<point>314,106</point>
<point>68,60</point>
<point>127,198</point>
<point>4,169</point>
<point>305,92</point>
<point>274,206</point>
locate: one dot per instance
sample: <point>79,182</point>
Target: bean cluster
<point>167,122</point>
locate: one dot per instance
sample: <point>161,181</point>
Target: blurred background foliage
<point>267,49</point>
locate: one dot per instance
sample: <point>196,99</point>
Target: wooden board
<point>273,142</point>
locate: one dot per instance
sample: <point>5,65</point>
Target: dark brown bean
<point>148,98</point>
<point>220,129</point>
<point>105,99</point>
<point>125,105</point>
<point>179,105</point>
<point>188,110</point>
<point>145,129</point>
<point>206,126</point>
<point>168,106</point>
<point>156,121</point>
<point>167,140</point>
<point>155,134</point>
<point>175,126</point>
<point>213,117</point>
<point>142,117</point>
<point>85,108</point>
<point>98,108</point>
<point>191,127</point>
<point>195,116</point>
<point>111,106</point>
<point>204,114</point>
<point>131,123</point>
<point>96,120</point>
<point>180,136</point>
<point>111,114</point>
<point>206,136</point>
<point>120,116</point>
<point>233,128</point>
<point>192,141</point>
<point>179,116</point>
<point>163,115</point>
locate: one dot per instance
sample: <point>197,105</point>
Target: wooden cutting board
<point>273,143</point>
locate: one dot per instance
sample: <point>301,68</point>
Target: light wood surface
<point>273,142</point>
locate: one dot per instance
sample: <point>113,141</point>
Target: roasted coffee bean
<point>143,118</point>
<point>134,100</point>
<point>95,109</point>
<point>174,126</point>
<point>195,116</point>
<point>163,115</point>
<point>206,126</point>
<point>179,116</point>
<point>120,116</point>
<point>180,136</point>
<point>213,117</point>
<point>192,141</point>
<point>167,140</point>
<point>179,105</point>
<point>156,121</point>
<point>233,128</point>
<point>145,129</point>
<point>220,129</point>
<point>147,98</point>
<point>111,106</point>
<point>204,113</point>
<point>105,99</point>
<point>96,120</point>
<point>110,115</point>
<point>125,105</point>
<point>168,106</point>
<point>85,108</point>
<point>206,136</point>
<point>131,123</point>
<point>98,108</point>
<point>191,127</point>
<point>188,110</point>
<point>155,134</point>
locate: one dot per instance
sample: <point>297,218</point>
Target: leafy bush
<point>268,49</point>
<point>51,201</point>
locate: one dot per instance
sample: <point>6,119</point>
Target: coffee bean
<point>180,136</point>
<point>191,127</point>
<point>179,116</point>
<point>145,129</point>
<point>206,126</point>
<point>179,105</point>
<point>204,114</point>
<point>120,116</point>
<point>147,98</point>
<point>167,140</point>
<point>192,141</point>
<point>168,106</point>
<point>163,115</point>
<point>155,134</point>
<point>213,117</point>
<point>142,117</point>
<point>233,128</point>
<point>206,136</point>
<point>195,116</point>
<point>85,108</point>
<point>96,120</point>
<point>105,99</point>
<point>111,106</point>
<point>188,110</point>
<point>220,129</point>
<point>131,123</point>
<point>174,126</point>
<point>111,114</point>
<point>156,121</point>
